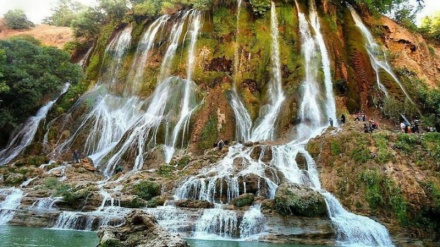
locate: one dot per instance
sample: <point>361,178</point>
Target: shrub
<point>260,6</point>
<point>16,19</point>
<point>146,189</point>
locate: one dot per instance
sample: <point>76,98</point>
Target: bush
<point>146,189</point>
<point>16,19</point>
<point>260,6</point>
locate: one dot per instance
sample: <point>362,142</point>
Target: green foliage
<point>260,6</point>
<point>431,143</point>
<point>146,189</point>
<point>244,200</point>
<point>209,133</point>
<point>70,196</point>
<point>372,179</point>
<point>431,26</point>
<point>64,13</point>
<point>165,171</point>
<point>335,148</point>
<point>383,146</point>
<point>87,24</point>
<point>360,154</point>
<point>382,193</point>
<point>136,202</point>
<point>16,19</point>
<point>407,142</point>
<point>31,72</point>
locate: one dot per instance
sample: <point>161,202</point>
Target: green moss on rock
<point>294,199</point>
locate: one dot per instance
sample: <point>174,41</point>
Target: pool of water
<point>19,236</point>
<point>11,236</point>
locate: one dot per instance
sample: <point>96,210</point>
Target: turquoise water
<point>18,236</point>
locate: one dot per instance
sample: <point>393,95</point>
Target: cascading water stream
<point>9,204</point>
<point>26,134</point>
<point>116,50</point>
<point>242,118</point>
<point>142,53</point>
<point>377,55</point>
<point>264,128</point>
<point>330,107</point>
<point>188,104</point>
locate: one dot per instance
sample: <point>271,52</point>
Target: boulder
<point>88,165</point>
<point>139,230</point>
<point>295,199</point>
<point>243,200</point>
<point>194,204</point>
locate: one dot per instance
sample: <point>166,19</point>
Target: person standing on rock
<point>343,119</point>
<point>75,156</point>
<point>331,122</point>
<point>220,145</point>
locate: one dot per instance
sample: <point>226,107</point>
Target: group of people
<point>370,125</point>
<point>407,127</point>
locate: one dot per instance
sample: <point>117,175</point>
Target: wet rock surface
<point>294,199</point>
<point>139,230</point>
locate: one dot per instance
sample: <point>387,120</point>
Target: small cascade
<point>330,106</point>
<point>355,230</point>
<point>83,60</point>
<point>377,56</point>
<point>242,118</point>
<point>310,108</point>
<point>188,104</point>
<point>116,51</point>
<point>216,223</point>
<point>26,134</point>
<point>89,221</point>
<point>175,35</point>
<point>264,128</point>
<point>142,55</point>
<point>173,219</point>
<point>236,46</point>
<point>9,204</point>
<point>45,204</point>
<point>27,182</point>
<point>252,223</point>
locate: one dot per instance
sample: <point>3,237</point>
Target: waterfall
<point>352,229</point>
<point>109,116</point>
<point>309,109</point>
<point>46,203</point>
<point>330,107</point>
<point>253,222</point>
<point>176,32</point>
<point>377,55</point>
<point>142,55</point>
<point>116,50</point>
<point>26,134</point>
<point>265,125</point>
<point>188,104</point>
<point>9,204</point>
<point>216,223</point>
<point>242,119</point>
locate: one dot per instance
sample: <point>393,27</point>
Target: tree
<point>431,26</point>
<point>115,9</point>
<point>30,72</point>
<point>16,19</point>
<point>64,13</point>
<point>87,25</point>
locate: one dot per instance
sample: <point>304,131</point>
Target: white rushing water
<point>330,105</point>
<point>188,102</point>
<point>9,204</point>
<point>26,133</point>
<point>116,51</point>
<point>377,56</point>
<point>264,128</point>
<point>142,55</point>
